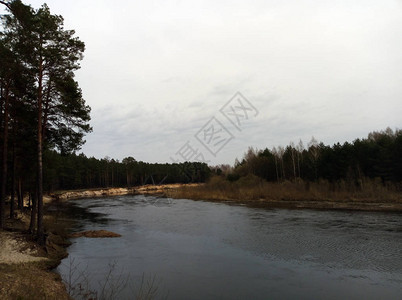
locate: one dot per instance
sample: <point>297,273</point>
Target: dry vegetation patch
<point>30,281</point>
<point>251,190</point>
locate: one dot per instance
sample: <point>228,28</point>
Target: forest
<point>72,171</point>
<point>377,156</point>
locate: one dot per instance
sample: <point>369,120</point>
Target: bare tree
<point>275,153</point>
<point>314,150</point>
<point>293,156</point>
<point>300,148</point>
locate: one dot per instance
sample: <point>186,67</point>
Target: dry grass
<point>30,281</point>
<point>370,195</point>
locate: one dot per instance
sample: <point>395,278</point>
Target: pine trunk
<point>20,195</point>
<point>34,206</point>
<point>40,231</point>
<point>13,183</point>
<point>4,162</point>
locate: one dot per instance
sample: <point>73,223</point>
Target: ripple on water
<point>197,244</point>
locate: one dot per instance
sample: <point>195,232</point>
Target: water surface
<point>204,250</point>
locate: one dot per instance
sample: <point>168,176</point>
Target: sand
<point>14,250</point>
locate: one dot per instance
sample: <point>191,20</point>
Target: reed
<point>252,189</point>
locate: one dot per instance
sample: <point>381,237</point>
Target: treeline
<point>377,156</point>
<point>71,171</point>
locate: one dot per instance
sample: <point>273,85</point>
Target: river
<point>186,249</point>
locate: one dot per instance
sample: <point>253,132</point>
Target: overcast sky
<point>156,72</point>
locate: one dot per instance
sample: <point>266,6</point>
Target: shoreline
<point>148,189</point>
<point>269,197</point>
<point>27,269</point>
<point>313,204</point>
<point>176,191</point>
<point>23,262</point>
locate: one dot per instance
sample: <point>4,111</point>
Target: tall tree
<point>56,53</point>
<point>52,54</point>
<point>10,73</point>
<point>5,82</point>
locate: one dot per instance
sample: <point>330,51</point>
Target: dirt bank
<point>25,267</point>
<point>144,190</point>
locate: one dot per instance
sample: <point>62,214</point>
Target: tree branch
<point>6,4</point>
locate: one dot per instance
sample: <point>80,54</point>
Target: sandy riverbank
<point>25,267</point>
<point>144,189</point>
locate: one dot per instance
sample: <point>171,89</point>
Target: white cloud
<point>155,71</point>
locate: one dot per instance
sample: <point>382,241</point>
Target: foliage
<point>41,103</point>
<point>377,156</point>
<point>72,171</point>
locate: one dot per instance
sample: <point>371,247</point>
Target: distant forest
<point>377,156</point>
<point>71,171</point>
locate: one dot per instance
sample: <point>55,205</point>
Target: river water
<point>202,250</point>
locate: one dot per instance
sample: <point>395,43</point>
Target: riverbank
<point>25,267</point>
<point>294,195</point>
<point>290,195</point>
<point>149,189</point>
<point>189,245</point>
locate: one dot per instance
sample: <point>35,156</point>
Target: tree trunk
<point>294,164</point>
<point>40,231</point>
<point>13,185</point>
<point>276,168</point>
<point>20,195</point>
<point>283,170</point>
<point>112,176</point>
<point>33,197</point>
<point>298,164</point>
<point>4,163</point>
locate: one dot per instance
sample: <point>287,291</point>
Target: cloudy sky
<point>156,72</point>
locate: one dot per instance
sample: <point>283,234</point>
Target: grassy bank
<point>370,195</point>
